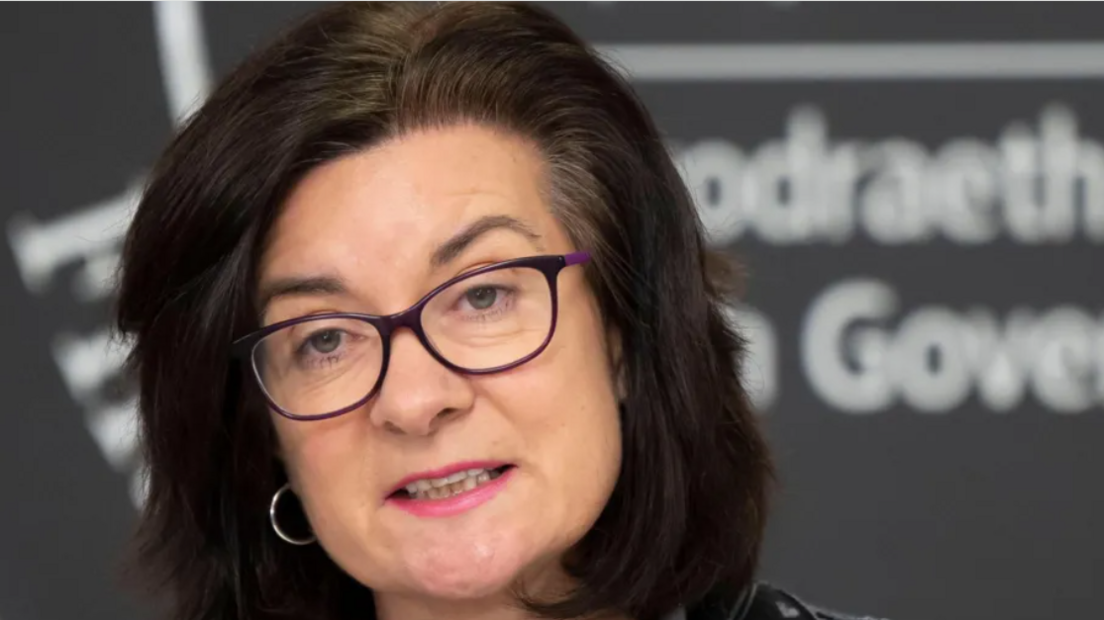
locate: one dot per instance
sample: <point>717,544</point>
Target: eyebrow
<point>449,250</point>
<point>444,254</point>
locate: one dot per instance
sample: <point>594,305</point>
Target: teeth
<point>440,488</point>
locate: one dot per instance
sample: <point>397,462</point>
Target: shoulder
<point>765,601</point>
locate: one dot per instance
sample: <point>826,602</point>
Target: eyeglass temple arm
<point>576,258</point>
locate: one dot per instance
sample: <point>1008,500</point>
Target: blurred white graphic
<point>90,364</point>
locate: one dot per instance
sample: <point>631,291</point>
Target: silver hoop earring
<point>276,526</point>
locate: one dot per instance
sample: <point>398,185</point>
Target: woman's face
<point>373,225</point>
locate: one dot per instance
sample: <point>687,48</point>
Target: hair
<point>687,513</point>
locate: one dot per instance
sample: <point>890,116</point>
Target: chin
<point>455,581</point>
<point>464,587</point>
<point>468,571</point>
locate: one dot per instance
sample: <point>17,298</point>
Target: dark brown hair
<point>688,511</point>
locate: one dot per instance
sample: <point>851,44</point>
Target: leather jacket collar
<point>761,601</point>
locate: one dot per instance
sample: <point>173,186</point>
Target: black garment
<point>761,602</point>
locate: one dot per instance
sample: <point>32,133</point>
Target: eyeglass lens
<point>486,321</point>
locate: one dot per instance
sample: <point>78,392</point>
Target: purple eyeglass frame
<point>550,266</point>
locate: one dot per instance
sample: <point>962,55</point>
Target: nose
<point>418,394</point>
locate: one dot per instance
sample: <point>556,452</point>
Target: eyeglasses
<point>484,321</point>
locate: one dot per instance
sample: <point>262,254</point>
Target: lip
<point>447,470</point>
<point>447,507</point>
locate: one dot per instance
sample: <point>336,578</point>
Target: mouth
<point>452,485</point>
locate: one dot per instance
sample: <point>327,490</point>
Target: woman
<point>423,329</point>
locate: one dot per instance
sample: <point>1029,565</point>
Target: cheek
<point>583,459</point>
<point>563,406</point>
<point>323,460</point>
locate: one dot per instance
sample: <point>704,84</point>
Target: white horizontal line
<point>858,61</point>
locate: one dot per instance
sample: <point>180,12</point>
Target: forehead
<point>389,207</point>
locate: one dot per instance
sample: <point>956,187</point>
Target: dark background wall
<point>918,192</point>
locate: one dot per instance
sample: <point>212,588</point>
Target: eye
<point>325,341</point>
<point>482,297</point>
